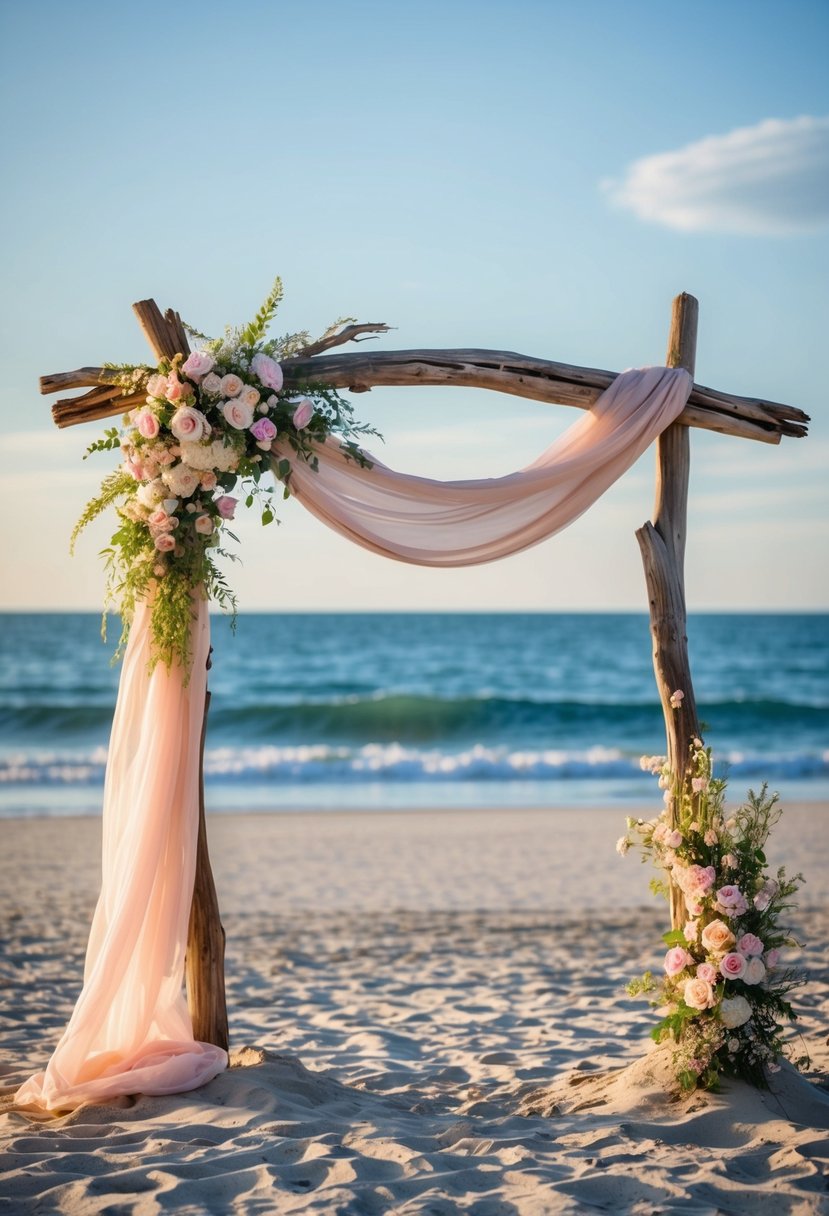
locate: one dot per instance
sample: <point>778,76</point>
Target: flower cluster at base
<point>204,438</point>
<point>724,992</point>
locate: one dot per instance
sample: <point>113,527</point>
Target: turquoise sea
<point>408,710</point>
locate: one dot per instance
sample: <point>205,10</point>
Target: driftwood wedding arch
<point>661,541</point>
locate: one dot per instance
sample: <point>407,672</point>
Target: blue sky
<point>541,177</point>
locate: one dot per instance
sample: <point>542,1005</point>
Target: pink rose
<point>691,930</point>
<point>204,525</point>
<point>772,958</point>
<point>147,424</point>
<point>710,837</point>
<point>160,521</point>
<point>731,901</point>
<point>231,385</point>
<point>693,907</point>
<point>695,880</point>
<point>157,386</point>
<point>267,371</point>
<point>136,470</point>
<point>708,973</point>
<point>226,506</point>
<point>698,994</point>
<point>198,364</point>
<point>674,838</point>
<point>208,480</point>
<point>717,937</point>
<point>729,861</point>
<point>677,960</point>
<point>175,390</point>
<point>238,414</point>
<point>164,542</point>
<point>733,966</point>
<point>189,424</point>
<point>749,945</point>
<point>263,428</point>
<point>303,414</point>
<point>755,971</point>
<point>249,395</point>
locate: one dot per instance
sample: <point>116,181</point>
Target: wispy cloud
<point>770,179</point>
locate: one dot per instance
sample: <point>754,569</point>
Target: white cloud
<point>770,179</point>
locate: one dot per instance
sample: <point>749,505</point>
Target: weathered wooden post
<point>662,544</point>
<point>204,964</point>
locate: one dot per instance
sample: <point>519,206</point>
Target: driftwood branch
<point>662,544</point>
<point>503,371</point>
<point>164,331</point>
<point>347,333</point>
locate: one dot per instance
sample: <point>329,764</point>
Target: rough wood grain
<point>164,332</point>
<point>502,371</point>
<point>205,959</point>
<point>662,544</point>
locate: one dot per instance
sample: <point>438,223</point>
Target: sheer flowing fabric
<point>465,523</point>
<point>130,1031</point>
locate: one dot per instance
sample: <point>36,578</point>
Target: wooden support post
<point>662,544</point>
<point>204,963</point>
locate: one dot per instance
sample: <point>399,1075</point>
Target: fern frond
<point>112,487</point>
<point>255,331</point>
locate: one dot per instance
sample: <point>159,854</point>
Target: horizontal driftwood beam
<point>502,371</point>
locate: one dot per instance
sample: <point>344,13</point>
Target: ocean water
<point>407,710</point>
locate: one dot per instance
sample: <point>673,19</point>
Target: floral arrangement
<point>724,992</point>
<point>213,424</point>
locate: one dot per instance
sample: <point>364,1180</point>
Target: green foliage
<point>114,486</point>
<point>644,984</point>
<point>170,525</point>
<point>717,859</point>
<point>111,439</point>
<point>255,331</point>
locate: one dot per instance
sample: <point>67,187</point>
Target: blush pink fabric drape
<point>130,1031</point>
<point>464,523</point>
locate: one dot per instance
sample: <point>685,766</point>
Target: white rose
<point>181,480</point>
<point>734,1011</point>
<point>238,413</point>
<point>151,493</point>
<point>212,385</point>
<point>755,971</point>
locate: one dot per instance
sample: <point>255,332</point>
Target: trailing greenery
<point>214,426</point>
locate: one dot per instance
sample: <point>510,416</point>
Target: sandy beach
<point>427,1015</point>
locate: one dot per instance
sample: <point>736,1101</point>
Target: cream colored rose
<point>698,993</point>
<point>717,937</point>
<point>181,480</point>
<point>204,525</point>
<point>151,493</point>
<point>238,413</point>
<point>249,395</point>
<point>231,385</point>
